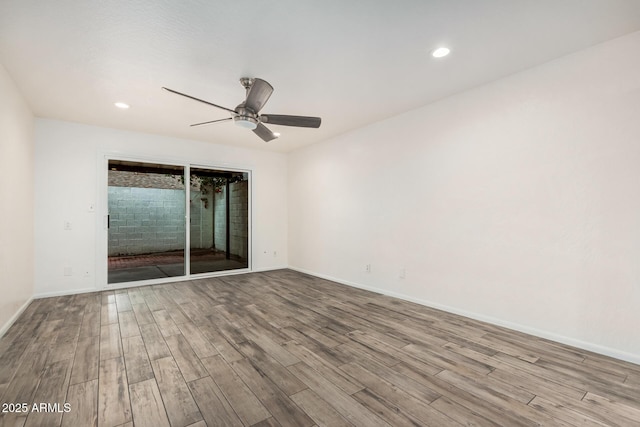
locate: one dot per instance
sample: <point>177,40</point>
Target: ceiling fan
<point>246,113</point>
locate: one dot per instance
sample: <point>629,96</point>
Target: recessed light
<point>121,105</point>
<point>276,134</point>
<point>440,52</point>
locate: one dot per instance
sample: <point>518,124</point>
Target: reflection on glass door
<point>146,223</point>
<point>219,230</point>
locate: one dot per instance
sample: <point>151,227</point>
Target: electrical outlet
<point>67,225</point>
<point>87,273</point>
<point>367,268</point>
<point>275,254</point>
<point>403,273</point>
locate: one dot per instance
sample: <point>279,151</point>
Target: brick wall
<point>144,220</point>
<point>144,180</point>
<point>238,219</point>
<point>201,229</point>
<point>219,220</point>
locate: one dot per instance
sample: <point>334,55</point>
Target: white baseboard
<point>65,292</point>
<point>596,348</point>
<point>262,270</point>
<point>13,318</point>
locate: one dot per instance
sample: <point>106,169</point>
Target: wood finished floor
<point>283,348</point>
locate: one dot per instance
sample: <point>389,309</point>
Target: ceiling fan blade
<point>263,132</point>
<point>197,99</point>
<point>211,121</point>
<point>298,121</point>
<point>258,95</point>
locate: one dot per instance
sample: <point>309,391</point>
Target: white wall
<point>70,176</point>
<point>16,201</point>
<point>517,202</point>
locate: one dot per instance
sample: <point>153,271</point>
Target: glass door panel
<point>219,223</point>
<point>146,223</point>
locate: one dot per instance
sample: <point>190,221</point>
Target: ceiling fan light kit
<point>246,114</point>
<point>246,122</point>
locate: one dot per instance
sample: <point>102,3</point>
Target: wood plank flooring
<point>282,348</point>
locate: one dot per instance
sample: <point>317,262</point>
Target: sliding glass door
<point>150,205</point>
<point>219,226</point>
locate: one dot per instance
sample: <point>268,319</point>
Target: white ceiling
<point>351,62</point>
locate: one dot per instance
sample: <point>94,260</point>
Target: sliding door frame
<point>102,231</point>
